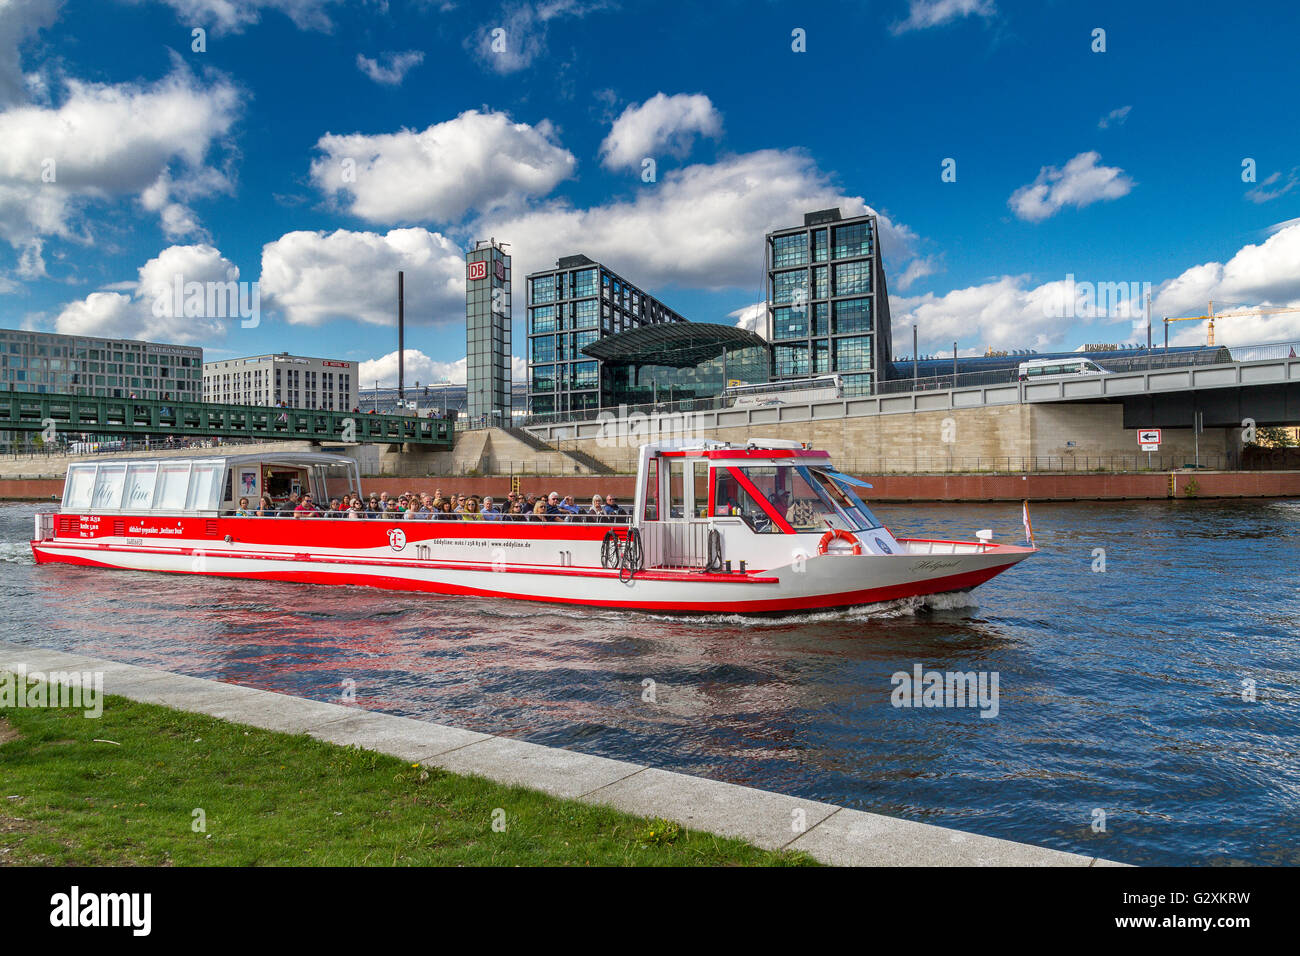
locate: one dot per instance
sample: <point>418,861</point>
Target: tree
<point>1276,438</point>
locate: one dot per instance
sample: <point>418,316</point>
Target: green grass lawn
<point>271,799</point>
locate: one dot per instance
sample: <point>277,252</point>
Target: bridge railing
<point>1154,360</point>
<point>126,417</point>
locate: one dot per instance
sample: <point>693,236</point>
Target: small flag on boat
<point>1029,529</point>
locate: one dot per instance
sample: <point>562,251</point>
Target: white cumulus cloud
<point>662,123</point>
<point>513,40</point>
<point>233,16</point>
<point>316,277</point>
<point>701,226</point>
<point>19,21</point>
<point>476,161</point>
<point>1008,312</point>
<point>389,69</point>
<point>1080,183</point>
<point>105,142</point>
<point>419,367</point>
<point>923,14</point>
<point>147,310</point>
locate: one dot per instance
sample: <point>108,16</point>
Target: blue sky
<point>1122,165</point>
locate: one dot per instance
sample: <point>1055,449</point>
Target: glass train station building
<point>597,341</point>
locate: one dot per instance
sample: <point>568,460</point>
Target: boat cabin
<point>204,486</point>
<point>772,488</point>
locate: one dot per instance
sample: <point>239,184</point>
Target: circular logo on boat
<point>880,543</point>
<point>397,539</point>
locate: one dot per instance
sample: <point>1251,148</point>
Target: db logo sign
<point>477,270</point>
<point>397,539</point>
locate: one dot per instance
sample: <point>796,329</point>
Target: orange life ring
<point>824,544</point>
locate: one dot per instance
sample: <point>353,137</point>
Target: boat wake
<point>956,601</point>
<point>16,552</point>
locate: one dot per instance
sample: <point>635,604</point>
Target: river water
<point>1123,693</point>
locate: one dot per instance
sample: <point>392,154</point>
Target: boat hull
<point>557,564</point>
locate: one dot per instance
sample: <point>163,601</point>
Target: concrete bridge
<point>1091,420</point>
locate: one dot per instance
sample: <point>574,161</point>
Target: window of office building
<point>791,359</point>
<point>821,356</point>
<point>544,348</point>
<point>853,278</point>
<point>819,245</point>
<point>854,240</point>
<point>852,315</point>
<point>544,289</point>
<point>543,378</point>
<point>820,311</point>
<point>789,250</point>
<point>586,314</point>
<point>585,283</point>
<point>820,288</point>
<point>789,323</point>
<point>543,319</point>
<point>853,354</point>
<point>788,287</point>
<point>584,375</point>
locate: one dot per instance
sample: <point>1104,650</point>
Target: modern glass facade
<point>570,307</point>
<point>679,363</point>
<point>827,305</point>
<point>52,363</point>
<point>487,333</point>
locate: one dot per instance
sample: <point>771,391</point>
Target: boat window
<point>108,488</point>
<point>700,503</point>
<point>652,490</point>
<point>733,498</point>
<point>81,482</point>
<point>676,488</point>
<point>141,480</point>
<point>846,499</point>
<point>173,486</point>
<point>204,486</point>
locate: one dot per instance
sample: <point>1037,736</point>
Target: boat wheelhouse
<point>715,528</point>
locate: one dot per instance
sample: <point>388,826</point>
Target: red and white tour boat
<point>715,528</point>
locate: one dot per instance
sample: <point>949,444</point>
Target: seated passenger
<point>266,508</point>
<point>471,512</point>
<point>539,511</point>
<point>597,510</point>
<point>611,506</point>
<point>242,511</point>
<point>490,511</point>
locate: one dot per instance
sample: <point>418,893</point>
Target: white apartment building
<point>293,381</point>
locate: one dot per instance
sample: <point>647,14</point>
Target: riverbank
<point>1042,486</point>
<point>770,821</point>
<point>146,785</point>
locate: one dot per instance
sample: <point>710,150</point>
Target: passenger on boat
<point>569,507</point>
<point>539,511</point>
<point>290,506</point>
<point>242,511</point>
<point>336,508</point>
<point>597,510</point>
<point>490,510</point>
<point>553,509</point>
<point>306,509</point>
<point>515,512</point>
<point>611,506</point>
<point>265,508</point>
<point>471,512</point>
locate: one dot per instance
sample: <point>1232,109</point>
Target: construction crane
<point>1210,314</point>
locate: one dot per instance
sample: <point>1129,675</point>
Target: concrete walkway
<point>832,834</point>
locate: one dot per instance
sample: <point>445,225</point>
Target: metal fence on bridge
<point>125,417</point>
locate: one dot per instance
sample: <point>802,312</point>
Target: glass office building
<point>52,363</point>
<point>571,307</point>
<point>827,304</point>
<point>678,362</point>
<point>487,333</point>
